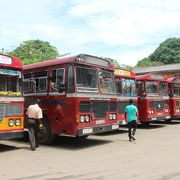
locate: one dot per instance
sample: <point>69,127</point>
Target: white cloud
<point>77,25</point>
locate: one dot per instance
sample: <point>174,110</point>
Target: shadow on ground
<point>77,143</point>
<point>5,148</point>
<point>115,132</point>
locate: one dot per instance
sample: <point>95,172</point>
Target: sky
<point>124,30</point>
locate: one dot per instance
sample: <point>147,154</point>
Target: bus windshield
<point>106,82</point>
<point>163,88</point>
<point>10,84</point>
<point>176,90</point>
<point>128,87</point>
<point>152,88</point>
<point>86,79</point>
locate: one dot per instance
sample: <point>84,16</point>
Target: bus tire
<point>46,137</point>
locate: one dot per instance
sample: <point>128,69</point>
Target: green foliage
<point>147,62</point>
<point>114,62</point>
<point>167,53</point>
<point>32,51</point>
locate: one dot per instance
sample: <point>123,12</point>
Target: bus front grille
<point>158,105</point>
<point>99,109</point>
<point>10,110</point>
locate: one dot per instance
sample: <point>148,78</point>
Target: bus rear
<point>11,99</point>
<point>174,97</point>
<point>126,90</point>
<point>82,100</point>
<point>153,99</point>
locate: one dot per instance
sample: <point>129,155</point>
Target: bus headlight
<point>110,116</point>
<point>82,119</point>
<point>86,118</point>
<point>114,116</point>
<point>17,122</point>
<point>11,122</point>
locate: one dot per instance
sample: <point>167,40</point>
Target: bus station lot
<point>155,155</point>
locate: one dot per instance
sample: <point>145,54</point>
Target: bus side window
<point>57,79</point>
<point>70,79</point>
<point>40,81</point>
<point>140,88</point>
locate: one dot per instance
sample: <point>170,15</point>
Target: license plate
<point>167,117</point>
<point>87,131</point>
<point>115,126</point>
<point>100,121</point>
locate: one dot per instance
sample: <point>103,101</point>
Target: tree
<point>32,51</point>
<point>147,62</point>
<point>168,52</point>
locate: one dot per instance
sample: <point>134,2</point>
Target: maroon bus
<point>77,95</point>
<point>153,99</point>
<point>174,97</point>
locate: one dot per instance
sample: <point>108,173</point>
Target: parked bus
<point>11,99</point>
<point>153,99</point>
<point>82,100</point>
<point>126,90</point>
<point>174,97</point>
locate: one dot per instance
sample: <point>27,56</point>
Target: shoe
<point>130,140</point>
<point>133,138</point>
<point>37,145</point>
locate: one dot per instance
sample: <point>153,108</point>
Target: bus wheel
<point>46,137</point>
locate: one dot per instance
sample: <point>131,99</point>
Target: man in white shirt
<point>34,113</point>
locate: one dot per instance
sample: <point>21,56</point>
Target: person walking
<point>131,118</point>
<point>34,113</point>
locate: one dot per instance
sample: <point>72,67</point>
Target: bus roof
<point>79,59</point>
<point>152,76</point>
<point>10,61</point>
<point>124,73</point>
<point>174,80</point>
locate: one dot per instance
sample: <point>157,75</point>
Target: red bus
<point>11,99</point>
<point>174,97</point>
<point>153,99</point>
<point>126,90</point>
<point>82,100</point>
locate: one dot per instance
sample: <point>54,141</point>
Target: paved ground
<point>154,156</point>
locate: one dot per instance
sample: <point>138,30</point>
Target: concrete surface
<point>155,155</point>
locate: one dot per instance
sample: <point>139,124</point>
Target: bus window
<point>40,81</point>
<point>57,79</point>
<point>70,79</point>
<point>2,84</point>
<point>86,79</point>
<point>106,82</point>
<point>152,88</point>
<point>128,86</point>
<point>12,83</point>
<point>163,88</point>
<point>119,87</point>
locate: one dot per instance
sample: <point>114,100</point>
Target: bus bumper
<point>97,129</point>
<point>11,135</point>
<point>123,122</point>
<point>176,117</point>
<point>159,118</point>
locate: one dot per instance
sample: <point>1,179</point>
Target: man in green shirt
<point>131,118</point>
